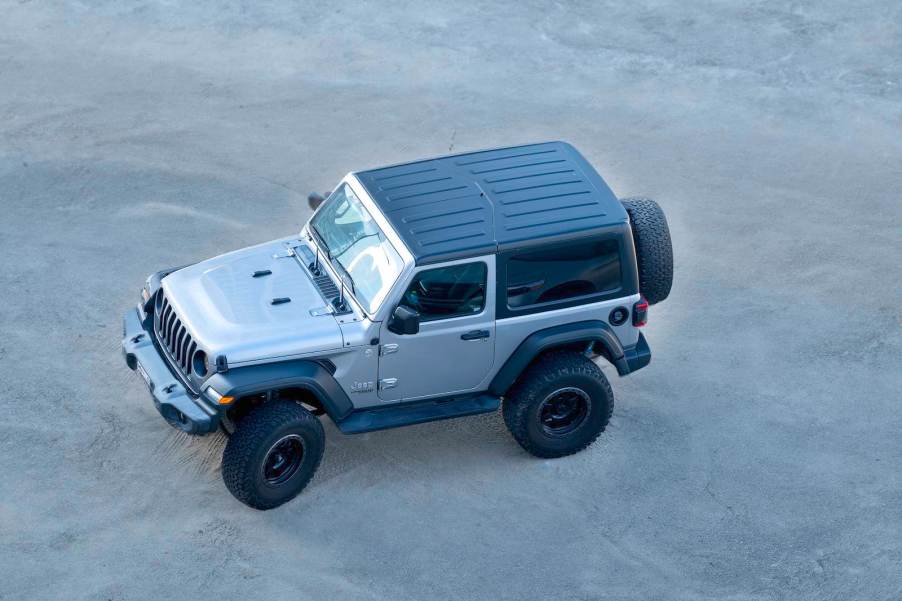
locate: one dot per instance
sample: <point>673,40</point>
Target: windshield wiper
<point>349,245</point>
<point>346,272</point>
<point>335,264</point>
<point>321,241</point>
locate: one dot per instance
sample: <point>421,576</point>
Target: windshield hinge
<point>386,383</point>
<point>388,349</point>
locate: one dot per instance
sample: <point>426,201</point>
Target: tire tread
<point>654,248</point>
<point>238,464</point>
<point>544,371</point>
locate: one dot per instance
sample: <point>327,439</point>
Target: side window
<point>447,291</point>
<point>562,272</point>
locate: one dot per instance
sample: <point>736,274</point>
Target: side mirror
<point>404,321</point>
<point>314,200</point>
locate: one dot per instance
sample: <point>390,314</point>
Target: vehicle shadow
<point>444,447</point>
<point>434,447</point>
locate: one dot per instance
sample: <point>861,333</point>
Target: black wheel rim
<point>563,411</point>
<point>283,460</point>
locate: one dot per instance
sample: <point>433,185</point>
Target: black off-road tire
<point>654,250</point>
<point>556,371</point>
<point>257,434</point>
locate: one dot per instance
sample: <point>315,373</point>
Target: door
<point>455,347</point>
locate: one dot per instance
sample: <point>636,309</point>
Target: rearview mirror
<point>404,321</point>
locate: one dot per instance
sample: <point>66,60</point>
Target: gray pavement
<point>756,458</point>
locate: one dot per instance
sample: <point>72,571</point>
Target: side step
<point>417,412</point>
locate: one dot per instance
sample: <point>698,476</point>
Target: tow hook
<point>169,388</point>
<point>137,338</point>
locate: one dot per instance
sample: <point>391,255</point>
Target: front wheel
<point>559,406</point>
<point>273,454</point>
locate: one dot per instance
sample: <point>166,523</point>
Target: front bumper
<point>176,403</point>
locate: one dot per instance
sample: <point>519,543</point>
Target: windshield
<point>353,239</point>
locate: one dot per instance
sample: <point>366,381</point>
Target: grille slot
<point>173,335</point>
<point>326,287</point>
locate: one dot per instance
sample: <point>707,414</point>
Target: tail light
<point>640,312</point>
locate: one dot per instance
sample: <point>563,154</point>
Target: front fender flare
<point>542,340</point>
<point>305,374</point>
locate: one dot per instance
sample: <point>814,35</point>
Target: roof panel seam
<point>446,227</point>
<point>480,171</point>
<point>398,174</point>
<point>417,183</point>
<point>529,225</point>
<point>446,240</point>
<point>507,179</point>
<point>560,208</point>
<point>515,202</point>
<point>416,218</point>
<point>512,156</point>
<point>425,204</point>
<point>390,198</point>
<point>563,183</point>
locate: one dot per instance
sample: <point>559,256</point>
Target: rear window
<point>563,272</point>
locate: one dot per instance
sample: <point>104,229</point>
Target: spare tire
<point>654,251</point>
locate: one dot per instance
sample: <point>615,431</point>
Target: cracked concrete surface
<point>756,458</point>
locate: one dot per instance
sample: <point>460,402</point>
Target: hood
<point>229,312</point>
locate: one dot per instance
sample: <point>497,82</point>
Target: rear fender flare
<point>538,342</point>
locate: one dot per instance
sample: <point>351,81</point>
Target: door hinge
<point>388,349</point>
<point>385,383</point>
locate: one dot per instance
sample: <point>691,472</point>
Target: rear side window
<point>562,272</point>
<point>447,291</point>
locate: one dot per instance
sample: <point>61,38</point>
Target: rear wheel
<point>273,454</point>
<point>559,406</point>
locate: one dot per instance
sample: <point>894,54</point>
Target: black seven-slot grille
<point>172,334</point>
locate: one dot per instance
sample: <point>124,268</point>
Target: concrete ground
<point>756,458</point>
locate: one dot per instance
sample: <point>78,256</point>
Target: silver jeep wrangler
<point>429,290</point>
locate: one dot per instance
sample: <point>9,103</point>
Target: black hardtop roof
<point>477,203</point>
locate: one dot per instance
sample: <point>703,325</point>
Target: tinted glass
<point>562,272</point>
<point>447,291</point>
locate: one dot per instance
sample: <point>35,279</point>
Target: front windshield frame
<point>392,263</point>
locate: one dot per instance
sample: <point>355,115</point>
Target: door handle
<point>475,335</point>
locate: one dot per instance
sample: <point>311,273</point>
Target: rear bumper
<point>637,356</point>
<point>176,403</point>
